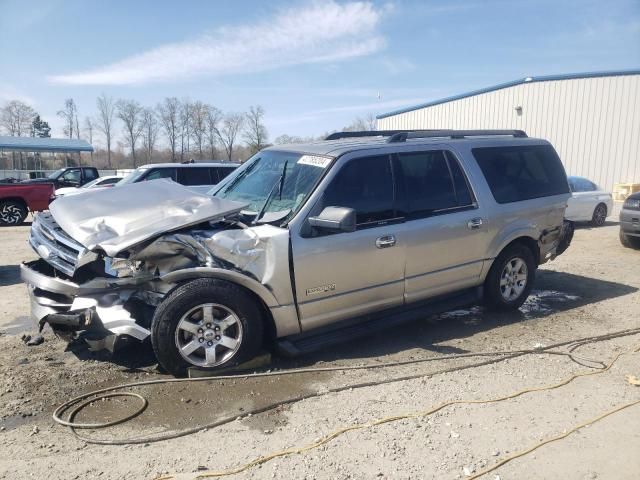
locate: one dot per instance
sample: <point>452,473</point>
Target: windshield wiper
<point>279,183</point>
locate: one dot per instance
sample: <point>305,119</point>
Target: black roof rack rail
<point>403,136</point>
<point>370,133</point>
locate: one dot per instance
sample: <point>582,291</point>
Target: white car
<point>588,202</point>
<point>101,182</point>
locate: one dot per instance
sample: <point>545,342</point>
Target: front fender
<point>199,272</point>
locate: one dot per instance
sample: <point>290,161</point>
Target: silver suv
<point>303,245</point>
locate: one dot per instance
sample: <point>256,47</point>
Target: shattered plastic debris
<point>633,380</point>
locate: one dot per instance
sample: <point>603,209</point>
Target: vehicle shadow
<point>588,226</point>
<point>554,292</point>
<point>9,275</point>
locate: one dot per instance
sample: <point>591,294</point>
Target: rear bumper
<point>96,310</point>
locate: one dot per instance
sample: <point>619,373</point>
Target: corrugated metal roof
<point>31,144</point>
<point>542,78</point>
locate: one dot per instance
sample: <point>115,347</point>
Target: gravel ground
<point>592,289</point>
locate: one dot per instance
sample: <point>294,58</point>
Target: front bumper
<point>96,308</point>
<point>630,222</point>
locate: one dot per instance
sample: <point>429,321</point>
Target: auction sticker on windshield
<point>314,161</point>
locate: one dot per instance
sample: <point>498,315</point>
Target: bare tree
<point>16,118</point>
<point>169,111</point>
<point>199,113</point>
<point>360,124</point>
<point>371,121</point>
<point>185,127</point>
<point>88,128</point>
<point>130,112</point>
<point>227,134</point>
<point>255,132</point>
<point>150,128</point>
<point>70,116</point>
<point>213,120</point>
<point>106,112</point>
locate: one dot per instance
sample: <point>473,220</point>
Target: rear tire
<point>599,215</point>
<point>510,278</point>
<point>12,212</point>
<point>628,241</point>
<point>206,323</point>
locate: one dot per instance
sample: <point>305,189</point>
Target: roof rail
<point>370,133</point>
<point>403,136</point>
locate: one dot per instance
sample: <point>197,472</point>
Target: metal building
<point>592,119</point>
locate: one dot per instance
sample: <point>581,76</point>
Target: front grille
<point>55,246</point>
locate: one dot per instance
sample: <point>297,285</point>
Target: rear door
<point>446,228</point>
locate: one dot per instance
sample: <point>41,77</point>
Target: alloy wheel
<point>513,279</point>
<point>208,335</point>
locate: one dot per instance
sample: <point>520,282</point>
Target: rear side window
<point>366,185</point>
<point>219,173</point>
<point>579,184</point>
<point>90,174</point>
<point>434,182</point>
<point>522,172</point>
<point>194,176</point>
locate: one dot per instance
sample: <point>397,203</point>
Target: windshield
<point>257,182</point>
<point>55,174</point>
<point>132,177</point>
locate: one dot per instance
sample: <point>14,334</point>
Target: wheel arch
<point>263,296</point>
<point>19,200</point>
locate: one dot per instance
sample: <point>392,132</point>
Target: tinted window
<point>221,172</point>
<point>366,185</point>
<point>433,182</point>
<point>579,184</point>
<point>109,181</point>
<point>90,174</point>
<point>161,173</point>
<point>521,173</point>
<point>194,176</point>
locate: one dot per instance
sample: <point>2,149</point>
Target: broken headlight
<point>120,267</point>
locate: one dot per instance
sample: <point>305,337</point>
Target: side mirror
<point>335,218</point>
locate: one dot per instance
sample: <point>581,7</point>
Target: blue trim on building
<point>500,86</point>
<point>37,144</point>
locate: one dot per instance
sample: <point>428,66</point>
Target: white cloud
<point>320,32</point>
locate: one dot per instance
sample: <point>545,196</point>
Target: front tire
<point>599,215</point>
<point>510,278</point>
<point>12,213</point>
<point>206,323</point>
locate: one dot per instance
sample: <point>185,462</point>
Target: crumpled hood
<point>114,219</point>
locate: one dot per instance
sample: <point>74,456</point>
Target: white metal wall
<point>594,123</point>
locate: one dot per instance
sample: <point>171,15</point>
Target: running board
<point>313,341</point>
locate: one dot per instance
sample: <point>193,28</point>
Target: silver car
<point>303,245</point>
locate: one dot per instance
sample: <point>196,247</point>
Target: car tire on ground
<point>510,278</point>
<point>12,212</point>
<point>206,323</point>
<point>628,241</point>
<point>599,215</point>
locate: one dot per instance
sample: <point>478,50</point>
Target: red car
<point>18,199</point>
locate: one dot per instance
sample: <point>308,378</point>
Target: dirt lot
<point>592,289</point>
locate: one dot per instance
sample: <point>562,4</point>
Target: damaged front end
<point>101,276</point>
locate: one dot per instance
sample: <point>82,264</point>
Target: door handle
<point>474,223</point>
<point>386,241</point>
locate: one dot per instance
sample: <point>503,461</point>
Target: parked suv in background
<point>199,177</point>
<point>630,221</point>
<point>68,177</point>
<point>364,230</point>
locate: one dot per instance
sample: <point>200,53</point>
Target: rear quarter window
<point>520,173</point>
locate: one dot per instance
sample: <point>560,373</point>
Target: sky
<point>314,66</point>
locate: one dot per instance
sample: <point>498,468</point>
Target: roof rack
<point>403,135</point>
<point>370,133</point>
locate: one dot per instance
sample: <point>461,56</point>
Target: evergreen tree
<point>40,128</point>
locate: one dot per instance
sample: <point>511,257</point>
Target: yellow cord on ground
<point>337,433</point>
